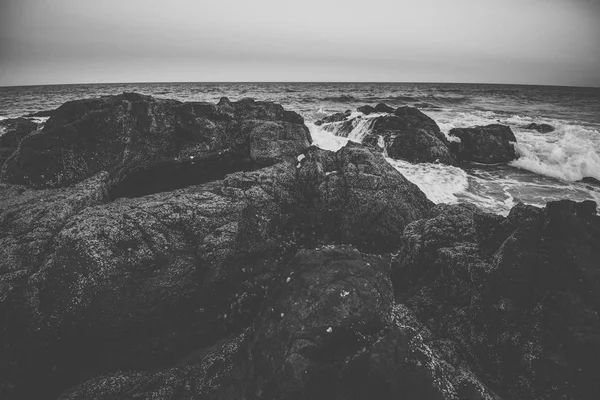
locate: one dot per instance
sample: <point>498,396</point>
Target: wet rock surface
<point>12,131</point>
<point>406,133</point>
<point>490,144</point>
<point>276,270</point>
<point>92,283</point>
<point>130,132</point>
<point>519,296</point>
<point>542,128</point>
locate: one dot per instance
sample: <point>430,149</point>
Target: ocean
<point>549,167</point>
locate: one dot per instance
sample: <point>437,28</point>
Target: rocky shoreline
<point>159,249</point>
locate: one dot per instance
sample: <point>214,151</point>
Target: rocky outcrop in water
<point>542,128</point>
<point>407,134</point>
<point>490,144</point>
<point>337,117</point>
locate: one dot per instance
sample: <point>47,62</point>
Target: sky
<point>548,42</point>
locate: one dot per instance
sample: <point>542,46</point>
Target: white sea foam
<point>439,182</point>
<point>570,153</point>
<point>325,140</point>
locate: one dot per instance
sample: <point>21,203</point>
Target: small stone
<point>329,330</point>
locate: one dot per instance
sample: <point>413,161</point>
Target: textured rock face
<point>337,117</point>
<point>322,276</point>
<point>519,295</point>
<point>490,144</point>
<point>90,285</point>
<point>12,131</point>
<point>129,132</point>
<point>331,330</point>
<point>407,133</point>
<point>379,108</point>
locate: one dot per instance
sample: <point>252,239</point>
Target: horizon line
<point>302,82</point>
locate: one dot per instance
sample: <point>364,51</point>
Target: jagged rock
<point>383,108</point>
<point>136,283</point>
<point>412,136</point>
<point>366,110</point>
<point>331,303</point>
<point>337,117</point>
<point>330,330</point>
<point>126,133</point>
<point>519,295</point>
<point>490,144</point>
<point>12,131</point>
<point>214,373</point>
<point>407,134</point>
<point>542,128</point>
<point>379,108</point>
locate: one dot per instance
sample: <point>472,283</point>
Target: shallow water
<point>549,166</point>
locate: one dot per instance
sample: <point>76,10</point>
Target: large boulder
<point>489,144</point>
<point>519,295</point>
<point>130,132</point>
<point>406,133</point>
<point>412,136</point>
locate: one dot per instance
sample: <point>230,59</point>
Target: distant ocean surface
<point>548,169</point>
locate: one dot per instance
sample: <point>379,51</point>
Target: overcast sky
<point>554,42</point>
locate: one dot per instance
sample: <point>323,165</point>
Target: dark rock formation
<point>412,136</point>
<point>92,286</point>
<point>490,144</point>
<point>407,134</point>
<point>383,108</point>
<point>12,131</point>
<point>542,128</point>
<point>518,295</point>
<point>366,110</point>
<point>130,132</point>
<point>331,330</point>
<point>590,180</point>
<point>337,117</point>
<point>40,114</point>
<point>379,108</point>
<point>276,270</point>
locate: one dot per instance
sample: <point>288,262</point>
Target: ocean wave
<point>341,99</point>
<point>440,183</point>
<point>570,153</point>
<point>325,140</point>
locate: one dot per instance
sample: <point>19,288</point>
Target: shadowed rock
<point>490,144</point>
<point>518,295</point>
<point>92,286</point>
<point>130,132</point>
<point>12,131</point>
<point>407,134</point>
<point>337,117</point>
<point>542,128</point>
<point>330,330</point>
